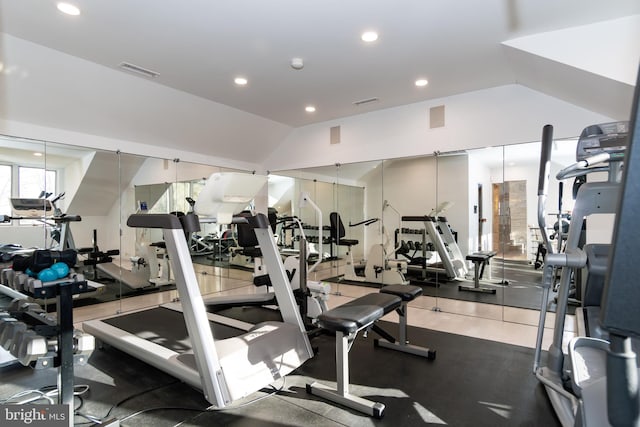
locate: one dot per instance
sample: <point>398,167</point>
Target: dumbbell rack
<point>423,242</point>
<point>64,358</point>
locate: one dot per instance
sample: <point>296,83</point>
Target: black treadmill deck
<point>165,327</point>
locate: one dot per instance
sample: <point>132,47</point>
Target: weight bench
<point>406,293</point>
<point>480,260</point>
<point>346,321</point>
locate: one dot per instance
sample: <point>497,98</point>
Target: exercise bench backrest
<point>337,231</point>
<point>246,236</point>
<point>272,216</point>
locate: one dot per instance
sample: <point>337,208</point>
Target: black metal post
<point>65,347</point>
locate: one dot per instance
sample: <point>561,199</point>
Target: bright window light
<point>69,9</point>
<point>5,189</point>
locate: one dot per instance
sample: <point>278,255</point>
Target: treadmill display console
<point>609,138</point>
<point>31,208</point>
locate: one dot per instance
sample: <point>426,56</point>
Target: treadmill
<point>185,341</point>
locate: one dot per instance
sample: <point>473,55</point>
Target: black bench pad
<point>360,312</point>
<point>406,292</point>
<point>347,242</point>
<point>481,256</point>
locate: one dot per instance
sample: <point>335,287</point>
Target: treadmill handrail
<point>222,386</point>
<point>166,221</point>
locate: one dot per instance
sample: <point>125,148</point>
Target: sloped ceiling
<point>62,71</point>
<point>49,88</point>
<point>591,66</point>
<point>103,183</point>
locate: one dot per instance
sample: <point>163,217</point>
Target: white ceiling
<point>199,46</point>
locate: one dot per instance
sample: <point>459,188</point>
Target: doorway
<point>510,213</point>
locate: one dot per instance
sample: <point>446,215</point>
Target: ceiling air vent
<point>126,66</point>
<point>365,101</point>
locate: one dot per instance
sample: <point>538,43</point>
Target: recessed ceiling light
<point>240,81</point>
<point>422,82</point>
<point>310,109</point>
<point>369,36</point>
<point>37,154</point>
<point>68,8</point>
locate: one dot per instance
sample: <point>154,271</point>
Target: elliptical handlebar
<point>543,186</point>
<point>543,182</point>
<point>545,159</point>
<point>583,167</point>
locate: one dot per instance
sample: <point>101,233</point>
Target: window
<point>33,181</point>
<point>5,190</point>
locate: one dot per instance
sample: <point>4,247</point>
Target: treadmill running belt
<point>165,327</point>
<point>252,315</point>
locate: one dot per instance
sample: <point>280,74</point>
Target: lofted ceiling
<point>198,47</point>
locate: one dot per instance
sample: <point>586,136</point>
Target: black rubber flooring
<point>522,291</point>
<point>113,291</point>
<point>472,382</point>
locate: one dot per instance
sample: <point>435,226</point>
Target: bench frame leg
<point>402,344</point>
<point>341,394</point>
<point>476,281</point>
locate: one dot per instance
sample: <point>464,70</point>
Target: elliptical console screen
<point>609,138</point>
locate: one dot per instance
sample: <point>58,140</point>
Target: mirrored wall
<point>66,197</point>
<point>462,225</point>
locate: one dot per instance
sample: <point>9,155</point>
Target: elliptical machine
<point>584,401</point>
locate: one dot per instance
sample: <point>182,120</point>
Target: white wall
<point>28,236</point>
<point>72,177</point>
<point>502,115</point>
<point>79,139</point>
<point>453,178</point>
